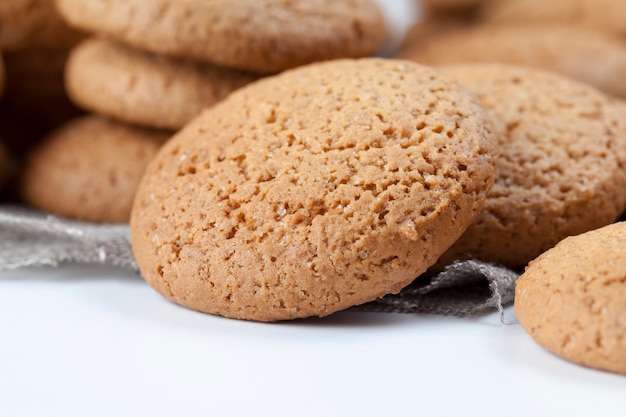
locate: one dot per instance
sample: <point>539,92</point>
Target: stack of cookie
<point>156,65</point>
<point>582,39</point>
<point>34,44</point>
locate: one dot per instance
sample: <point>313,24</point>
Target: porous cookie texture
<point>32,23</point>
<point>572,299</point>
<point>262,36</point>
<point>89,169</point>
<point>312,191</point>
<point>566,50</point>
<point>562,168</point>
<point>601,15</point>
<point>142,88</point>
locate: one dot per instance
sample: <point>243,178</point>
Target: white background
<point>97,341</point>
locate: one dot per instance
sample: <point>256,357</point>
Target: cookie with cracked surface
<point>562,168</point>
<point>263,36</point>
<point>89,169</point>
<point>572,299</point>
<point>312,191</point>
<point>600,15</point>
<point>595,58</point>
<point>141,88</point>
<point>32,23</point>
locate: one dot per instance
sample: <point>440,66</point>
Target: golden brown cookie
<point>262,36</point>
<point>89,169</point>
<point>596,58</point>
<point>562,168</point>
<point>601,15</point>
<point>312,191</point>
<point>141,88</point>
<point>572,299</point>
<point>32,23</point>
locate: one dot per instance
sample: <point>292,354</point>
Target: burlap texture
<point>31,238</point>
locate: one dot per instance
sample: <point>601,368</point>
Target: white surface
<point>97,341</point>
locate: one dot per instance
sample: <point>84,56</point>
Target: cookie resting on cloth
<point>562,167</point>
<point>572,299</point>
<point>306,193</point>
<point>89,169</point>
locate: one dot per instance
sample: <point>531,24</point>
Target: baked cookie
<point>601,15</point>
<point>309,192</point>
<point>562,168</point>
<point>32,23</point>
<point>263,36</point>
<point>596,58</point>
<point>141,88</point>
<point>572,299</point>
<point>89,169</point>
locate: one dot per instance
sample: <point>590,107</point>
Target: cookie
<point>89,169</point>
<point>601,15</point>
<point>32,23</point>
<point>263,36</point>
<point>595,58</point>
<point>562,168</point>
<point>145,89</point>
<point>312,191</point>
<point>572,299</point>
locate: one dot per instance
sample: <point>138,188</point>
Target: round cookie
<point>145,89</point>
<point>601,15</point>
<point>572,299</point>
<point>595,58</point>
<point>32,23</point>
<point>312,191</point>
<point>89,169</point>
<point>263,36</point>
<point>562,168</point>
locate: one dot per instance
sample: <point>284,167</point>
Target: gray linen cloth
<point>32,238</point>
